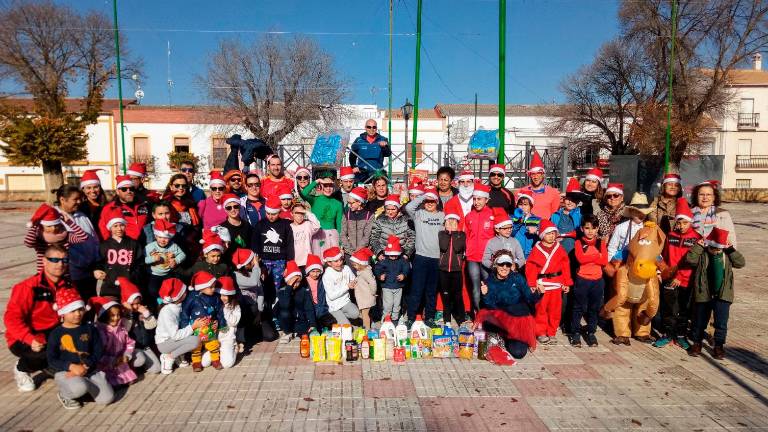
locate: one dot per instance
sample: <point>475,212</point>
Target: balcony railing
<point>749,120</point>
<point>752,162</point>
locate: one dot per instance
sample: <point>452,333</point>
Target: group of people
<point>148,281</point>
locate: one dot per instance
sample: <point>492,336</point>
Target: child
<point>141,326</point>
<point>286,203</point>
<point>74,349</point>
<point>712,280</point>
<point>304,226</point>
<point>286,312</point>
<point>592,255</point>
<point>365,287</point>
<point>503,240</point>
<point>567,219</point>
<point>248,277</point>
<point>213,249</point>
<point>227,335</point>
<point>302,300</point>
<point>453,244</point>
<point>337,281</point>
<point>117,345</point>
<point>314,282</point>
<point>391,223</point>
<point>173,337</point>
<point>675,278</point>
<point>121,256</point>
<point>357,222</point>
<point>328,211</point>
<point>204,303</point>
<point>162,255</point>
<point>548,270</point>
<point>392,273</point>
<point>525,225</point>
<point>49,226</point>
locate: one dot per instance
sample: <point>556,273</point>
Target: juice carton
<point>346,332</point>
<point>334,348</point>
<point>379,349</point>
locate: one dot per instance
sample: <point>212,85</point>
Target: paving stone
<point>568,372</point>
<point>388,388</point>
<point>479,413</point>
<point>552,388</point>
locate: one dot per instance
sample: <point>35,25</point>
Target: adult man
<point>188,169</point>
<point>137,172</point>
<point>500,196</point>
<point>252,204</point>
<point>346,182</point>
<point>547,198</point>
<point>368,152</point>
<point>462,202</point>
<point>29,316</point>
<point>124,206</point>
<point>276,180</point>
<point>445,190</point>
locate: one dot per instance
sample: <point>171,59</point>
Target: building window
<point>745,147</point>
<point>141,148</point>
<point>181,144</point>
<point>743,183</point>
<point>219,152</point>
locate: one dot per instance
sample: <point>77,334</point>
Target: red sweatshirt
<point>479,228</point>
<point>676,247</point>
<point>537,265</point>
<point>591,260</point>
<point>30,310</point>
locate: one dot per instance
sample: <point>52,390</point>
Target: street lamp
<point>406,110</point>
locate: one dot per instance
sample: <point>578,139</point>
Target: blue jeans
<point>423,282</point>
<point>702,312</point>
<point>587,301</point>
<point>477,274</point>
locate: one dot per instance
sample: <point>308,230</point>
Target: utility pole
<point>416,91</point>
<point>119,82</point>
<point>502,84</point>
<point>389,85</point>
<point>668,140</point>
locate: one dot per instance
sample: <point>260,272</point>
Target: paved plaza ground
<point>556,388</point>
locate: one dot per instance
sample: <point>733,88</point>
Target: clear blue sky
<point>546,40</point>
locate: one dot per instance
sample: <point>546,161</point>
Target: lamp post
<point>406,110</point>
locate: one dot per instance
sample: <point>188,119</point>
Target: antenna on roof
<point>170,81</point>
<point>373,91</point>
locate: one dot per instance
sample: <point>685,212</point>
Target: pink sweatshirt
<point>302,238</point>
<point>211,212</point>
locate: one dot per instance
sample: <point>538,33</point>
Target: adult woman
<point>611,210</point>
<point>211,209</point>
<point>507,305</point>
<point>593,189</point>
<point>303,176</point>
<point>183,205</point>
<point>95,199</point>
<point>328,211</point>
<point>380,193</point>
<point>707,214</point>
<point>83,255</point>
<point>664,206</point>
<point>240,231</point>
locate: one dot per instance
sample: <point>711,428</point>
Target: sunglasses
<point>217,188</point>
<point>302,177</point>
<point>127,189</point>
<point>187,170</point>
<point>179,185</point>
<point>55,260</point>
<point>371,127</point>
<point>253,185</point>
<point>232,207</point>
<point>612,196</point>
<point>505,265</point>
<point>327,185</point>
<point>236,179</point>
<point>495,175</point>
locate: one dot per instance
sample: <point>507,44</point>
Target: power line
<point>266,32</point>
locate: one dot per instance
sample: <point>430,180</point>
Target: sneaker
<point>662,342</point>
<point>591,340</point>
<point>682,342</point>
<point>552,340</point>
<point>182,362</point>
<point>70,404</point>
<point>575,340</point>
<point>645,339</point>
<point>166,364</point>
<point>276,323</point>
<point>718,352</point>
<point>695,350</point>
<point>217,365</point>
<point>543,339</point>
<point>197,367</point>
<point>285,338</point>
<point>24,382</point>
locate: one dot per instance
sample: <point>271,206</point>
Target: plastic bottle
<point>387,329</point>
<point>480,336</point>
<point>419,330</point>
<point>401,333</point>
<point>304,346</point>
<point>346,332</point>
<point>336,331</point>
<point>365,348</point>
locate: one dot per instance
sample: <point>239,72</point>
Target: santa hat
<point>362,256</point>
<point>284,192</point>
<point>332,254</point>
<point>615,188</point>
<point>313,263</point>
<point>222,232</point>
<point>137,169</point>
<point>546,226</point>
<point>211,241</point>
<point>481,191</point>
<point>501,218</point>
<point>393,246</point>
<point>67,300</point>
<point>430,193</point>
<point>116,220</point>
<point>202,280</point>
<point>713,183</point>
<point>683,210</point>
<point>123,181</point>
<point>537,166</point>
<point>242,257</point>
<point>227,286</point>
<point>594,174</point>
<point>171,290</point>
<point>345,173</point>
<point>101,304</point>
<point>718,238</point>
<point>163,228</point>
<point>498,168</point>
<point>416,188</point>
<point>216,179</point>
<point>525,195</point>
<point>392,200</point>
<point>273,205</point>
<point>90,177</point>
<point>45,215</point>
<point>359,194</point>
<point>291,271</point>
<point>452,215</point>
<point>499,356</point>
<point>230,198</point>
<point>466,175</point>
<point>573,190</point>
<point>128,290</point>
<point>302,169</point>
<point>671,178</point>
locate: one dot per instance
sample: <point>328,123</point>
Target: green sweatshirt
<point>329,211</point>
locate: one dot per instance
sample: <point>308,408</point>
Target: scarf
<point>608,219</point>
<point>703,223</point>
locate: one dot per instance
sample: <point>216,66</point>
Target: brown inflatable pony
<point>637,287</point>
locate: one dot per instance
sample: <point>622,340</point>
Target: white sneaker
<point>182,362</point>
<point>166,364</point>
<point>285,338</point>
<point>24,382</point>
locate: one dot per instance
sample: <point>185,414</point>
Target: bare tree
<point>276,86</point>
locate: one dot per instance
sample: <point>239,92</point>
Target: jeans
<point>76,387</point>
<point>702,313</point>
<point>390,299</point>
<point>477,274</point>
<point>423,282</point>
<point>675,305</point>
<point>587,300</point>
<point>451,293</point>
<point>285,309</point>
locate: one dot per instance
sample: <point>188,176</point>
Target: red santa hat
<point>216,179</point>
<point>362,256</point>
<point>100,305</point>
<point>525,195</point>
<point>573,186</point>
<point>211,241</point>
<point>714,183</point>
<point>67,300</point>
<point>273,205</point>
<point>202,280</point>
<point>416,188</point>
<point>345,173</point>
<point>498,168</point>
<point>594,174</point>
<point>393,246</point>
<point>546,226</point>
<point>452,215</point>
<point>116,220</point>
<point>430,194</point>
<point>466,175</point>
<point>537,166</point>
<point>291,271</point>
<point>137,169</point>
<point>90,177</point>
<point>481,191</point>
<point>617,188</point>
<point>242,257</point>
<point>227,286</point>
<point>284,192</point>
<point>501,218</point>
<point>671,178</point>
<point>163,228</point>
<point>683,210</point>
<point>45,215</point>
<point>230,198</point>
<point>128,290</point>
<point>718,238</point>
<point>392,200</point>
<point>313,263</point>
<point>123,181</point>
<point>171,290</point>
<point>332,254</point>
<point>358,194</point>
<point>304,170</point>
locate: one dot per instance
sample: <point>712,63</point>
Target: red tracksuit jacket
<point>676,247</point>
<point>537,264</point>
<point>30,309</point>
<point>479,228</point>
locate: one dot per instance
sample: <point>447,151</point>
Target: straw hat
<point>638,203</point>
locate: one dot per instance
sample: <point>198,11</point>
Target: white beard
<point>466,191</point>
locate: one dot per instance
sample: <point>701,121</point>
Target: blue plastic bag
<point>484,144</point>
<point>329,149</point>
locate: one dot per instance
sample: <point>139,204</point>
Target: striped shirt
<point>33,239</point>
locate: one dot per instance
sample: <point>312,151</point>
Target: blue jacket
<point>198,305</point>
<point>393,268</point>
<point>197,193</point>
<point>304,307</point>
<point>567,223</point>
<point>371,155</point>
<point>321,308</point>
<point>511,295</point>
<point>251,213</point>
<point>526,239</point>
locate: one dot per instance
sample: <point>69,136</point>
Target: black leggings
<point>29,361</point>
<point>451,293</point>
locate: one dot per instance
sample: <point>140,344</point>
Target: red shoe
<point>217,365</point>
<point>197,367</point>
<point>498,355</point>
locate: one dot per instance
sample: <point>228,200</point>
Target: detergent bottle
<point>419,330</point>
<point>401,333</point>
<point>387,330</point>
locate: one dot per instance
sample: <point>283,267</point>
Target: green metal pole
<point>416,90</point>
<point>119,83</point>
<point>389,85</point>
<point>668,140</point>
<point>502,85</point>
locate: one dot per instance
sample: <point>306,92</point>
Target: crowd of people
<point>150,281</point>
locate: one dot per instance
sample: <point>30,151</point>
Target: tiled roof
<point>424,113</point>
<point>486,110</point>
<point>745,77</point>
<point>71,104</point>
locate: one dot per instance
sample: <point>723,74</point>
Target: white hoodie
<point>168,324</point>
